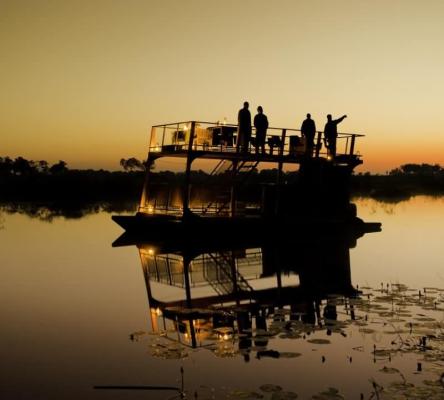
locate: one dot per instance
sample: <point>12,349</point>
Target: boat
<point>219,191</point>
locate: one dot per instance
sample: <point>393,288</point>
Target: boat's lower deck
<point>216,229</point>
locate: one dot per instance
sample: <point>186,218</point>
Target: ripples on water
<point>75,315</point>
<point>397,331</point>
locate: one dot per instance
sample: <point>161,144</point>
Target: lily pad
<point>388,370</point>
<point>268,387</point>
<point>284,396</point>
<point>367,330</point>
<point>330,394</point>
<point>245,394</point>
<point>319,341</point>
<point>289,354</point>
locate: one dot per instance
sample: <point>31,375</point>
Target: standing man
<point>331,133</point>
<point>308,131</point>
<point>261,125</point>
<point>244,129</point>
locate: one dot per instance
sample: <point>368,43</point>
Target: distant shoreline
<point>48,192</point>
<point>80,194</point>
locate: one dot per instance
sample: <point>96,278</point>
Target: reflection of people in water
<point>244,324</point>
<point>261,325</point>
<point>330,313</point>
<point>309,315</point>
<point>267,353</point>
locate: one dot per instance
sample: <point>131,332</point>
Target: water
<point>69,303</point>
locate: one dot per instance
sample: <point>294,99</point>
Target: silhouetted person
<point>244,129</point>
<point>308,131</point>
<point>331,133</point>
<point>261,125</point>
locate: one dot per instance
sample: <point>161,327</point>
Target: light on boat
<point>150,210</point>
<point>224,336</point>
<point>158,312</point>
<point>329,158</point>
<point>150,252</point>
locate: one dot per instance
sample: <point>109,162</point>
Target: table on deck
<point>223,135</point>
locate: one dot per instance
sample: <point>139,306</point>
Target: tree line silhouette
<point>400,183</point>
<point>38,182</point>
<point>22,166</point>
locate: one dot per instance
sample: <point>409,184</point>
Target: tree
<point>5,166</point>
<point>42,166</point>
<point>58,168</point>
<point>421,169</point>
<point>132,164</point>
<point>21,166</point>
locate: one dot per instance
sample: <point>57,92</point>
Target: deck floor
<point>231,154</point>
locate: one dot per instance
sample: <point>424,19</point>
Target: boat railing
<point>221,137</point>
<point>168,268</point>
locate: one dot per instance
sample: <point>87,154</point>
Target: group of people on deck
<point>308,131</point>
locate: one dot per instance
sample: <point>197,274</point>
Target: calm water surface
<point>69,302</point>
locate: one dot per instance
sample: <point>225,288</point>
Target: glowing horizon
<point>85,81</point>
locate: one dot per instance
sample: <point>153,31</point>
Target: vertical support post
<point>232,201</point>
<point>186,277</point>
<point>352,145</point>
<point>282,146</point>
<point>144,197</point>
<point>279,279</point>
<point>233,191</point>
<point>232,260</point>
<point>186,187</point>
<point>318,144</point>
<point>279,285</point>
<point>146,276</point>
<point>167,207</point>
<point>192,333</point>
<point>279,175</point>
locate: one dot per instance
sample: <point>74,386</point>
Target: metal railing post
<point>279,175</point>
<point>318,144</point>
<point>186,188</point>
<point>163,136</point>
<point>283,136</point>
<point>352,145</point>
<point>144,197</point>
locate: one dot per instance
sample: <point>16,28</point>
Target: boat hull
<point>222,229</point>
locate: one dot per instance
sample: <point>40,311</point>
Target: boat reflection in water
<point>232,297</point>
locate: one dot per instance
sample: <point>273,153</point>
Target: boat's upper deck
<point>219,140</point>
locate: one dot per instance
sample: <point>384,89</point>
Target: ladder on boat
<point>225,278</point>
<point>243,169</point>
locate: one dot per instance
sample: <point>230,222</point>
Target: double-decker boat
<point>218,191</point>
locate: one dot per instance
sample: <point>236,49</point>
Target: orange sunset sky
<point>83,81</point>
